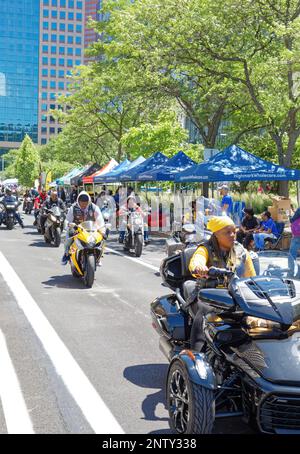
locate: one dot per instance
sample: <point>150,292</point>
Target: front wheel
<point>89,272</point>
<point>138,245</point>
<point>191,407</point>
<point>56,237</point>
<point>10,223</point>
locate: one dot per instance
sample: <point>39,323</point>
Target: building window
<point>54,26</point>
<point>46,13</point>
<point>71,16</point>
<point>44,84</point>
<point>70,27</point>
<point>61,62</point>
<point>61,73</point>
<point>61,51</point>
<point>69,62</point>
<point>61,85</point>
<point>54,14</point>
<point>71,3</point>
<point>45,72</point>
<point>78,39</point>
<point>70,51</point>
<point>53,49</point>
<point>79,5</point>
<point>45,25</point>
<point>62,27</point>
<point>78,52</point>
<point>45,36</point>
<point>52,96</point>
<point>45,49</point>
<point>44,117</point>
<point>46,2</point>
<point>43,141</point>
<point>54,2</point>
<point>53,84</point>
<point>53,61</point>
<point>77,62</point>
<point>63,3</point>
<point>44,107</point>
<point>53,38</point>
<point>52,130</point>
<point>44,130</point>
<point>52,72</point>
<point>52,107</point>
<point>62,38</point>
<point>70,40</point>
<point>78,28</point>
<point>45,60</point>
<point>44,96</point>
<point>62,15</point>
<point>79,16</point>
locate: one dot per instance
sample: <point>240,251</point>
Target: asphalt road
<point>106,331</point>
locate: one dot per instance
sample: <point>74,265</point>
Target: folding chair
<point>272,243</point>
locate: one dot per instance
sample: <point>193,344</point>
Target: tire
<point>138,245</point>
<point>47,240</point>
<point>57,238</point>
<point>196,413</point>
<point>10,223</point>
<point>75,272</point>
<point>89,272</point>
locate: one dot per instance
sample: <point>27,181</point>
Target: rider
<point>132,206</point>
<point>38,202</point>
<point>220,251</point>
<point>9,197</point>
<point>50,202</point>
<point>81,211</point>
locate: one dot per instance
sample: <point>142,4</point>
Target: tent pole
<point>298,193</point>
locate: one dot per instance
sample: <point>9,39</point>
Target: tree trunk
<point>284,188</point>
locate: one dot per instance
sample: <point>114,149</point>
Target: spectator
<point>295,227</point>
<point>74,194</point>
<point>248,226</point>
<point>268,229</point>
<point>226,203</point>
<point>249,245</point>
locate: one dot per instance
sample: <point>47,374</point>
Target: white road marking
<point>14,408</point>
<point>91,404</point>
<point>141,262</point>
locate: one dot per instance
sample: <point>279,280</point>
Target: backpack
<point>295,227</point>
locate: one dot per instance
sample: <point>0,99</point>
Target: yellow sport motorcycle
<point>86,250</point>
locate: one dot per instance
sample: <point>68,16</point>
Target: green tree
<point>27,164</point>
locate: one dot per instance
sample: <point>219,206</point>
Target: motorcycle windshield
<point>277,264</point>
<point>90,226</point>
<point>55,211</point>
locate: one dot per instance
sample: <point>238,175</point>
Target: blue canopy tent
<point>154,161</point>
<point>169,170</point>
<point>113,174</point>
<point>236,164</point>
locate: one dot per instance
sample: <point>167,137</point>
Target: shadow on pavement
<point>40,244</point>
<point>65,281</point>
<point>149,376</point>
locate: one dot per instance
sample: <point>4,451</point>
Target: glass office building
<point>19,71</point>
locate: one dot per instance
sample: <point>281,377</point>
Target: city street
<point>100,370</point>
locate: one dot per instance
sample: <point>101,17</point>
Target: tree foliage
<point>27,164</point>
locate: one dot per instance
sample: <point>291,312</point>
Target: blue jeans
<point>295,245</point>
<point>259,239</point>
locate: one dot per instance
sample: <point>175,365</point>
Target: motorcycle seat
<point>186,256</point>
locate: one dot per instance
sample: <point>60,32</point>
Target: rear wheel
<point>89,272</point>
<point>191,407</point>
<point>138,245</point>
<point>56,238</point>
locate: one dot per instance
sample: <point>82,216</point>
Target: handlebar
<point>219,272</point>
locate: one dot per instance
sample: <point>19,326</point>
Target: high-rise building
<point>93,11</point>
<point>40,42</point>
<point>19,75</point>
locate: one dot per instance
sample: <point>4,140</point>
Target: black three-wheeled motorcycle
<point>249,365</point>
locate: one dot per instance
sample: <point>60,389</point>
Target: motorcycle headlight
<point>261,324</point>
<point>10,207</point>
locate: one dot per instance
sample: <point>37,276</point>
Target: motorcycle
<point>86,251</point>
<point>188,235</point>
<point>134,235</point>
<point>249,366</point>
<point>106,213</point>
<point>53,225</point>
<point>8,210</point>
<point>27,205</point>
